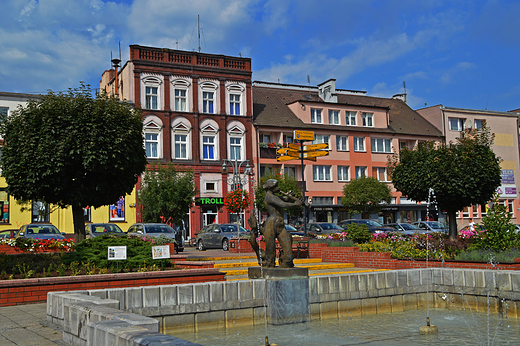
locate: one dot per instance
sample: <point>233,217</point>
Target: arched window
<point>152,130</point>
<point>180,95</point>
<point>236,102</point>
<point>151,97</point>
<point>181,139</point>
<point>209,140</point>
<point>209,97</point>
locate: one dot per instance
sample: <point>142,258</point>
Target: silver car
<point>156,230</point>
<point>217,236</point>
<point>432,226</point>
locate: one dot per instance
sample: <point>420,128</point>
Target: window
<point>180,100</point>
<point>479,123</point>
<point>321,173</point>
<point>333,117</point>
<point>290,171</point>
<point>151,143</point>
<point>210,186</point>
<point>367,119</point>
<point>117,210</point>
<point>235,145</point>
<point>380,173</point>
<point>510,208</point>
<point>288,138</point>
<point>265,170</point>
<point>381,145</point>
<point>40,212</point>
<point>359,143</point>
<point>342,143</point>
<point>350,118</point>
<point>320,139</point>
<point>343,173</point>
<point>264,138</point>
<point>456,124</point>
<point>4,205</point>
<point>207,102</point>
<point>316,116</point>
<point>208,147</point>
<point>475,211</point>
<point>234,104</point>
<point>86,214</point>
<point>181,146</point>
<point>151,97</point>
<point>465,212</point>
<point>4,111</point>
<point>361,171</point>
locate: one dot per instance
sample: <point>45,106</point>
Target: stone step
<point>315,273</point>
<point>235,264</point>
<point>311,268</point>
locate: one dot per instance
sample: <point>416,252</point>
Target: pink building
<point>361,132</point>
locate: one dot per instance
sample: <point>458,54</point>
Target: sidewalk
<point>26,325</point>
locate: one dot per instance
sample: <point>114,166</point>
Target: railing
<point>179,57</point>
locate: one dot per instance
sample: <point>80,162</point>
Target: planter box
<point>268,153</point>
<point>11,250</point>
<point>239,245</point>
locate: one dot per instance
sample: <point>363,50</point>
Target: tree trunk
<point>452,219</point>
<point>78,219</point>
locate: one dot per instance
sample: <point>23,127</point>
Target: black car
<point>93,230</point>
<point>323,228</point>
<point>373,226</point>
<point>40,231</point>
<point>217,236</point>
<point>156,230</point>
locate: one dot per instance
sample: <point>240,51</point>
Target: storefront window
<point>4,205</point>
<point>117,210</point>
<point>40,212</point>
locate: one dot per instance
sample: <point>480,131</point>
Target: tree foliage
<point>166,193</point>
<point>365,194</point>
<point>500,232</point>
<point>286,183</point>
<point>73,149</point>
<point>461,174</point>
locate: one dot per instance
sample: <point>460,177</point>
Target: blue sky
<point>457,53</point>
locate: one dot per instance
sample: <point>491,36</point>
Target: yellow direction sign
<point>304,135</point>
<point>287,158</point>
<point>316,146</point>
<point>308,147</point>
<point>315,154</point>
<point>282,151</point>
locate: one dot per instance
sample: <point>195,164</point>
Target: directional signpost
<point>303,152</point>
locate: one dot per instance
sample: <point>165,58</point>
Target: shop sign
<point>209,201</point>
<point>507,191</point>
<point>508,176</point>
<point>322,209</point>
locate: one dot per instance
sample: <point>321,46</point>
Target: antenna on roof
<point>309,80</point>
<point>198,29</point>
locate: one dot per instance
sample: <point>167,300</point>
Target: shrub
<point>359,233</point>
<point>500,233</point>
<point>489,255</point>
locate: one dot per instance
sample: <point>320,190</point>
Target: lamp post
<point>236,182</point>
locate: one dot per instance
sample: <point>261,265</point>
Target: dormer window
<point>368,119</point>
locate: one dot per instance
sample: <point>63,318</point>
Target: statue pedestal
<point>287,293</point>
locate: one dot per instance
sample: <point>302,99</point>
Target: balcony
<point>268,153</point>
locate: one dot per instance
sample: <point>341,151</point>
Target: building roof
<point>270,109</point>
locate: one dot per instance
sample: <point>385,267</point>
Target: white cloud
<point>448,75</point>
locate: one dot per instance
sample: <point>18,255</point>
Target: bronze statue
<point>274,228</point>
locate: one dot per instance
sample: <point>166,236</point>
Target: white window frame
<point>359,144</point>
<point>341,143</point>
<point>152,126</point>
<point>209,129</point>
<point>361,171</point>
<point>150,97</point>
<point>151,82</point>
<point>182,129</point>
<point>321,173</point>
<point>151,144</point>
<point>208,87</point>
<point>333,117</point>
<point>212,144</point>
<point>380,172</point>
<point>179,86</point>
<point>236,132</point>
<point>386,144</point>
<point>316,116</point>
<point>456,124</point>
<point>180,142</point>
<point>235,90</point>
<point>290,171</point>
<point>318,139</point>
<point>208,102</point>
<point>215,186</point>
<point>367,119</point>
<point>480,123</point>
<point>350,118</point>
<point>343,173</point>
<point>234,100</point>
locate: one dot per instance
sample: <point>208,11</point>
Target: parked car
<point>217,236</point>
<point>8,233</point>
<point>373,226</point>
<point>432,226</point>
<point>405,228</point>
<point>39,231</point>
<point>323,228</point>
<point>480,228</point>
<point>93,230</point>
<point>156,230</point>
<point>293,230</point>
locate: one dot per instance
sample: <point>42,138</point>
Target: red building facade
<point>197,113</point>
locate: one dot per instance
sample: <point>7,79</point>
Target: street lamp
<point>236,181</point>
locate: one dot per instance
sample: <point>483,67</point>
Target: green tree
<point>365,194</point>
<point>166,193</point>
<point>461,174</point>
<point>286,183</point>
<point>500,232</point>
<point>73,149</point>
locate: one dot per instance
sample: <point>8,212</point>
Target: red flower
<point>236,201</point>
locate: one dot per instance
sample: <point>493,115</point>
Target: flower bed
<point>23,245</point>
